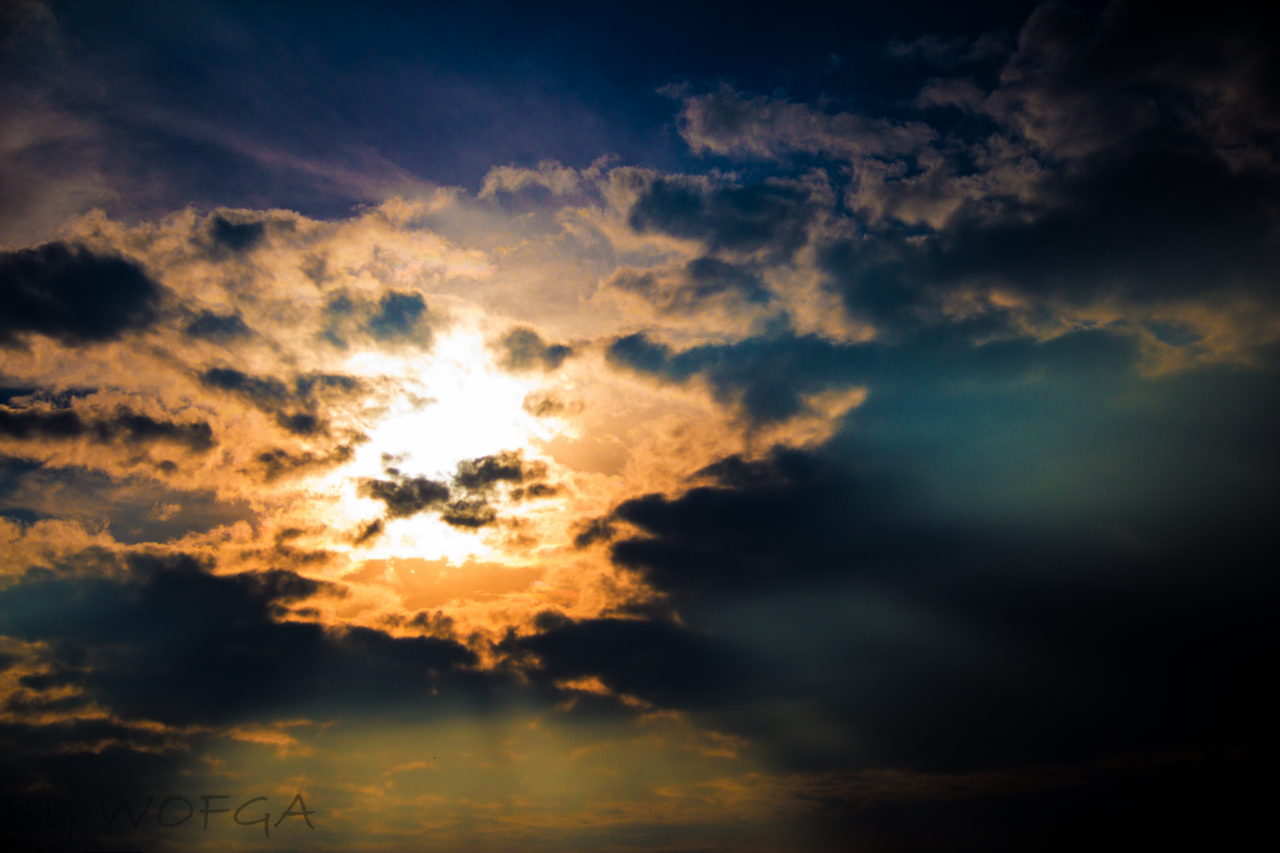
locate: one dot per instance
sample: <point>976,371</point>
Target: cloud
<point>396,318</point>
<point>172,643</point>
<point>550,174</point>
<point>407,496</point>
<point>218,328</point>
<point>125,425</point>
<point>73,295</point>
<point>465,505</point>
<point>834,486</point>
<point>523,349</point>
<point>768,218</point>
<point>949,51</point>
<point>763,524</point>
<point>482,474</point>
<point>769,378</point>
<point>690,288</point>
<point>658,662</point>
<point>728,123</point>
<point>235,237</point>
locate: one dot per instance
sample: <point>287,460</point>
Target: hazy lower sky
<point>652,427</point>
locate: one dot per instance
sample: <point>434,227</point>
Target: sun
<point>449,406</point>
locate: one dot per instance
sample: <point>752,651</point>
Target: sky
<point>661,427</point>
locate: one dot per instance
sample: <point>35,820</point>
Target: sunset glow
<point>637,428</point>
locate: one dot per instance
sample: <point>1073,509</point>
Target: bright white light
<point>451,407</point>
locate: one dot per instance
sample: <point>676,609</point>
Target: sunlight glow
<point>453,406</point>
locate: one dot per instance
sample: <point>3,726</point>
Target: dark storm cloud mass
<point>661,662</point>
<point>73,295</point>
<point>769,523</point>
<point>1094,622</point>
<point>173,643</point>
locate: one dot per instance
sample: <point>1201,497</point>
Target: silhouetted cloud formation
<point>659,662</point>
<point>73,295</point>
<point>24,424</point>
<point>236,236</point>
<point>850,427</point>
<point>220,328</point>
<point>395,318</point>
<point>524,349</point>
<point>192,647</point>
<point>506,467</point>
<point>767,218</point>
<point>767,376</point>
<point>408,496</point>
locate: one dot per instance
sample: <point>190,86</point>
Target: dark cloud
<point>1150,226</point>
<point>765,376</point>
<point>219,328</point>
<point>661,662</point>
<point>760,524</point>
<point>264,392</point>
<point>277,462</point>
<point>710,277</point>
<point>523,349</point>
<point>171,642</point>
<point>294,407</point>
<point>370,531</point>
<point>301,423</point>
<point>593,531</point>
<point>73,295</point>
<point>308,383</point>
<point>237,237</point>
<point>771,218</point>
<point>124,425</point>
<point>934,591</point>
<point>396,318</point>
<point>475,482</point>
<point>485,472</point>
<point>701,280</point>
<point>469,513</point>
<point>399,317</point>
<point>406,496</point>
<point>535,491</point>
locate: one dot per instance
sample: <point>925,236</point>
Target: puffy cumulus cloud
<point>550,175</point>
